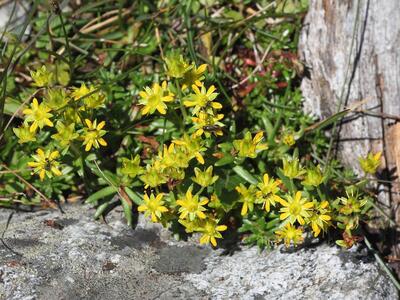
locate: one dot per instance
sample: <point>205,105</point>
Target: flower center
<point>295,209</point>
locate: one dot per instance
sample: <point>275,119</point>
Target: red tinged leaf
<point>247,89</point>
<point>53,224</point>
<point>281,84</point>
<point>149,140</point>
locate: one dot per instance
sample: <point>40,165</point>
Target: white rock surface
<point>86,259</point>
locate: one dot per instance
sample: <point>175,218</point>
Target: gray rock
<point>50,255</point>
<point>13,15</point>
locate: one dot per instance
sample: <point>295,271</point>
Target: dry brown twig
<point>49,202</point>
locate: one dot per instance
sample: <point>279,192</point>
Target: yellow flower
<point>131,167</point>
<point>296,208</point>
<point>247,196</point>
<point>202,100</point>
<point>153,206</point>
<point>42,77</point>
<point>153,98</point>
<point>320,218</point>
<point>289,233</point>
<point>45,163</point>
<point>153,175</point>
<point>39,115</point>
<point>249,147</point>
<point>352,203</point>
<point>173,156</point>
<point>204,178</point>
<point>314,177</point>
<point>91,98</point>
<point>176,65</point>
<point>194,76</point>
<point>191,206</point>
<point>267,192</point>
<point>194,145</point>
<point>65,134</point>
<point>211,231</point>
<point>56,98</point>
<point>371,163</point>
<point>288,139</point>
<point>92,134</point>
<point>292,168</point>
<point>24,134</point>
<point>207,123</point>
<point>71,115</point>
<point>82,91</point>
<point>190,226</point>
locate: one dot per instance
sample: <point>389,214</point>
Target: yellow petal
<point>162,209</point>
<point>42,174</point>
<point>258,137</point>
<point>221,228</point>
<point>216,105</point>
<point>101,125</point>
<point>143,94</point>
<point>324,204</point>
<point>297,197</point>
<point>54,155</point>
<point>88,123</point>
<point>142,208</point>
<point>102,142</point>
<point>284,202</point>
<point>48,122</point>
<point>266,178</point>
<point>201,69</point>
<point>325,217</point>
<point>161,109</point>
<point>204,239</point>
<point>88,146</point>
<point>211,90</point>
<point>213,241</point>
<point>196,89</point>
<point>56,171</point>
<point>33,127</point>
<point>199,158</point>
<point>200,214</point>
<point>284,216</point>
<point>153,217</point>
<point>244,209</point>
<point>308,205</point>
<point>203,202</point>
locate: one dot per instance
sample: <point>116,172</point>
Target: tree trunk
<point>351,49</point>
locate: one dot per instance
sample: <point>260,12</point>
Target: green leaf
<point>227,159</point>
<point>286,181</point>
<point>127,211</point>
<point>104,192</point>
<point>135,197</point>
<point>245,175</point>
<point>100,210</point>
<point>11,106</point>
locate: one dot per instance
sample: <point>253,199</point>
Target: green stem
<point>382,263</point>
<point>292,185</point>
<point>70,60</point>
<point>182,107</point>
<point>200,191</point>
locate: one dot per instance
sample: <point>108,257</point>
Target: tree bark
<point>351,49</point>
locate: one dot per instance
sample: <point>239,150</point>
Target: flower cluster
<point>163,175</point>
<point>195,196</point>
<point>65,113</point>
<point>194,177</point>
